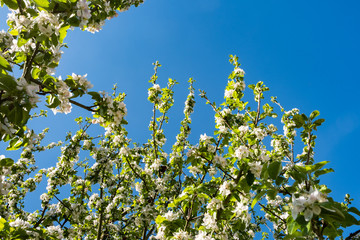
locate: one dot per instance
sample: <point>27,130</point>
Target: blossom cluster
<point>207,190</point>
<point>307,204</point>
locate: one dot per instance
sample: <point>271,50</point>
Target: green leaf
<point>311,168</point>
<point>6,162</point>
<point>16,114</point>
<point>52,101</point>
<point>74,21</point>
<point>95,95</point>
<point>331,213</point>
<point>250,178</point>
<point>317,166</point>
<point>274,169</point>
<point>292,227</point>
<point>14,32</point>
<point>272,193</point>
<point>314,114</point>
<point>299,120</point>
<point>257,198</point>
<point>15,144</point>
<point>11,4</point>
<point>297,174</point>
<point>354,210</point>
<point>349,220</point>
<point>2,223</point>
<point>22,42</point>
<point>159,219</point>
<point>280,180</point>
<point>42,3</point>
<point>318,123</point>
<point>251,86</point>
<point>4,64</point>
<point>7,83</point>
<point>35,73</point>
<point>323,171</point>
<point>63,32</point>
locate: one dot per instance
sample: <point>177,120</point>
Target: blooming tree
<point>245,177</point>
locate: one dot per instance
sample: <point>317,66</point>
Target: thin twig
<point>352,235</point>
<point>258,112</point>
<point>270,211</point>
<point>41,218</point>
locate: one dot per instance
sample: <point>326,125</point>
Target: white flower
<point>215,204</point>
<point>156,87</point>
<point>161,233</point>
<point>138,187</point>
<point>124,151</point>
<point>171,216</point>
<point>307,203</point>
<point>182,235</point>
<point>239,72</point>
<point>202,236</point>
<point>242,152</point>
<point>95,26</point>
<point>225,188</point>
<point>260,133</point>
<point>240,85</point>
<point>251,233</point>
<point>55,230</point>
<point>83,10</point>
<point>229,93</point>
<point>212,171</point>
<point>4,186</point>
<point>44,197</point>
<point>240,208</point>
<point>64,95</point>
<point>210,222</point>
<point>255,168</point>
<point>87,143</point>
<point>243,129</point>
<point>30,89</point>
<point>20,223</point>
<point>220,160</point>
<point>82,80</point>
<point>205,139</point>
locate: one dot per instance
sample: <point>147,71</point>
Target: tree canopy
<point>231,184</point>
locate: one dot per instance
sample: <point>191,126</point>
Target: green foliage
<point>229,185</point>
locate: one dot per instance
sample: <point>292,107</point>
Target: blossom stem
<point>258,112</point>
<point>99,233</point>
<point>270,211</point>
<point>41,218</point>
<point>20,8</point>
<point>27,69</point>
<point>352,235</point>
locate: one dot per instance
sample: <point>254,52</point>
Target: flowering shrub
<point>229,185</point>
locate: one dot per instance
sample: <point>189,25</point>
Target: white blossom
<point>225,188</point>
<point>242,152</point>
<point>239,72</point>
<point>209,222</point>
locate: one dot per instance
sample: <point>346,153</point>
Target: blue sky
<point>307,52</point>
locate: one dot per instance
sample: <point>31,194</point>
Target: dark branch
<point>352,235</point>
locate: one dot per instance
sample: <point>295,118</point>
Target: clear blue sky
<point>307,52</point>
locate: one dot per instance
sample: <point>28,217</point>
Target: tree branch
<point>101,211</point>
<point>352,235</point>
<point>258,111</point>
<point>20,8</point>
<point>41,218</point>
<point>27,68</point>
